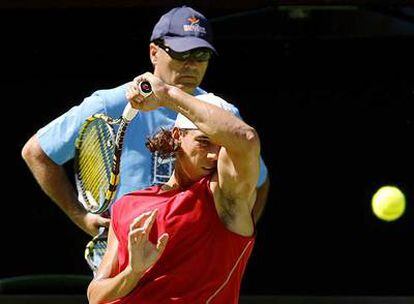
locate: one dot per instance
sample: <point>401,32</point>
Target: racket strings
<point>95,158</point>
<point>91,156</point>
<point>94,175</point>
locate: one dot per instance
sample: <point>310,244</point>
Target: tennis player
<point>188,240</point>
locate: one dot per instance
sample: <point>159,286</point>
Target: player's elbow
<point>89,294</point>
<point>250,140</point>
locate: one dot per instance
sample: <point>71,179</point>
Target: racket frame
<point>113,179</point>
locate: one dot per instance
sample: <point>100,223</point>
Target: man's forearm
<point>53,180</point>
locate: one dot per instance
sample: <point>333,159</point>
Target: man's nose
<point>191,62</point>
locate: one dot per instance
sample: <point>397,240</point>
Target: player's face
<point>184,74</point>
<point>198,155</point>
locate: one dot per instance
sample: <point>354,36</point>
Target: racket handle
<point>129,112</point>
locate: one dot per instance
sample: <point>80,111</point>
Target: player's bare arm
<point>142,256</point>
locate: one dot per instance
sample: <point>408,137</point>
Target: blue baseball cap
<point>184,29</point>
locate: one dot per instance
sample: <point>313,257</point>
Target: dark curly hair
<point>163,143</point>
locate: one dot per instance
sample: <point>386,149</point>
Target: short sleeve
<point>57,139</point>
<point>263,173</point>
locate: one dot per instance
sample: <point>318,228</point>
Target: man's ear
<point>176,134</point>
<point>153,53</point>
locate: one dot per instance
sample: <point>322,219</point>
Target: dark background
<point>330,88</point>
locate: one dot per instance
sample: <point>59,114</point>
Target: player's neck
<point>177,181</point>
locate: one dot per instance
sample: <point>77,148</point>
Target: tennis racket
<point>98,156</point>
<point>97,162</point>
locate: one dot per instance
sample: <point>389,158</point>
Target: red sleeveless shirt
<point>203,261</point>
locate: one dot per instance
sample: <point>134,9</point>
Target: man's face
<point>186,75</point>
<point>198,155</point>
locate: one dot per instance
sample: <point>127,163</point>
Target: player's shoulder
<point>128,200</point>
<point>132,195</point>
<point>121,203</point>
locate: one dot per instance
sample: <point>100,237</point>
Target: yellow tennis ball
<point>388,203</point>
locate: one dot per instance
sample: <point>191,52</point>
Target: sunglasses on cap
<point>199,54</point>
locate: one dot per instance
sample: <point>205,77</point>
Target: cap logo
<point>193,20</point>
<point>194,26</point>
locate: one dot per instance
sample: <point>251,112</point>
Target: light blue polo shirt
<point>139,168</point>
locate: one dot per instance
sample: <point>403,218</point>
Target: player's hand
<point>92,222</point>
<point>151,102</point>
<point>142,253</point>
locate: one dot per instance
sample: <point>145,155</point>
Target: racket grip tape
<point>129,112</point>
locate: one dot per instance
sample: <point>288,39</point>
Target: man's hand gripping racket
<point>97,161</point>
